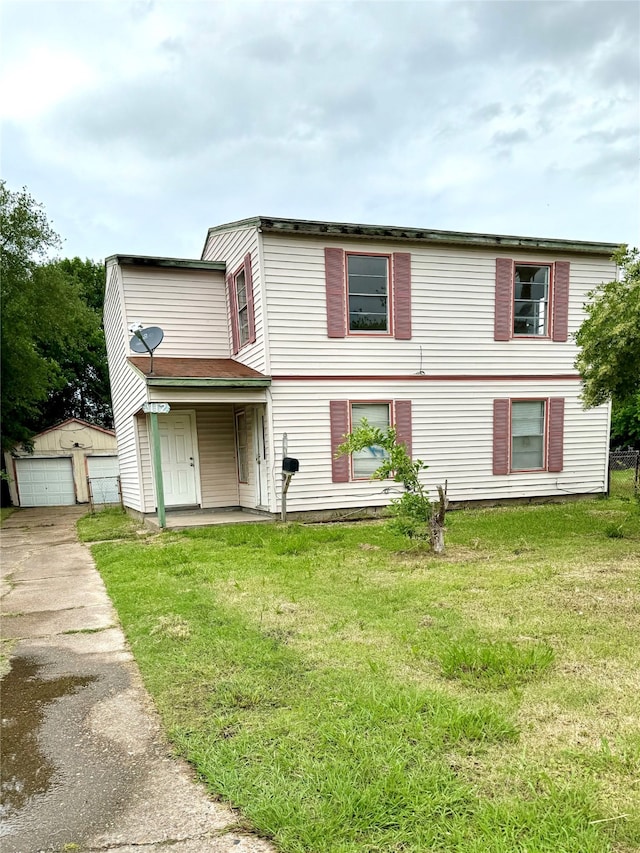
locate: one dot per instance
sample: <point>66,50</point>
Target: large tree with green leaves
<point>82,361</point>
<point>609,341</point>
<point>50,325</point>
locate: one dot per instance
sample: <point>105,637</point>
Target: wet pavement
<point>85,766</point>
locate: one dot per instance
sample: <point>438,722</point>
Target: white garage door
<point>45,482</point>
<point>103,475</point>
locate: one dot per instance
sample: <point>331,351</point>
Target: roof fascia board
<point>204,382</point>
<point>310,228</point>
<point>170,263</point>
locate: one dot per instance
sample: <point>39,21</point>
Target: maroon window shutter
<point>339,416</point>
<point>402,295</point>
<point>403,423</point>
<point>501,437</point>
<point>248,277</point>
<point>336,306</point>
<point>556,434</point>
<point>561,301</point>
<point>504,300</point>
<point>233,313</point>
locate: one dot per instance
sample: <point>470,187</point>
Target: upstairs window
<point>527,435</point>
<point>368,286</point>
<point>368,294</point>
<point>531,300</point>
<point>240,292</point>
<point>242,307</point>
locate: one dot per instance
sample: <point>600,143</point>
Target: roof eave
<point>167,263</point>
<point>422,235</point>
<point>205,382</point>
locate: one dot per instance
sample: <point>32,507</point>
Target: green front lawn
<point>349,692</point>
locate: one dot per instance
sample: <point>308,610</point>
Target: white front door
<point>261,457</point>
<point>178,459</point>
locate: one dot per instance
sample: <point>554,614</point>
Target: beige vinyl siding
<point>452,432</point>
<point>188,305</point>
<point>452,313</point>
<point>143,435</point>
<point>217,452</point>
<point>231,247</point>
<point>128,390</point>
<point>187,397</point>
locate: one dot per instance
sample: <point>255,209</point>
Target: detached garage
<point>71,462</point>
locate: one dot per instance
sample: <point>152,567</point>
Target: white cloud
<point>41,79</point>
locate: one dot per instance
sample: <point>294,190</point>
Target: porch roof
<point>199,373</point>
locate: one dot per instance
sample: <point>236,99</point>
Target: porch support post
<point>157,469</point>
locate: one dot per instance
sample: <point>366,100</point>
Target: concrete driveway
<point>85,765</point>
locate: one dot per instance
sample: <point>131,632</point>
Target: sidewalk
<point>84,760</point>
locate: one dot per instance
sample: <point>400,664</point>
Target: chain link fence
<point>104,491</point>
<point>624,473</point>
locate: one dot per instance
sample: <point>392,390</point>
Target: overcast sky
<point>141,124</point>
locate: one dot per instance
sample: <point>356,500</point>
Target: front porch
<point>186,519</point>
<point>204,444</point>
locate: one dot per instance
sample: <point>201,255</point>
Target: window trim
<point>390,404</point>
<point>389,333</point>
<point>548,335</point>
<point>545,435</point>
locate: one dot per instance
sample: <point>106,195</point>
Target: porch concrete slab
<point>199,518</point>
<point>43,623</point>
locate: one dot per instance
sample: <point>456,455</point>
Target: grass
<point>5,512</point>
<point>109,523</point>
<point>351,693</point>
<point>622,484</point>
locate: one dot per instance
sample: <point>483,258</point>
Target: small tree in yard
<point>415,514</point>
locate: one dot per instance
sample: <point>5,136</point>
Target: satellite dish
<point>146,341</point>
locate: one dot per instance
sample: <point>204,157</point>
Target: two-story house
<point>288,332</point>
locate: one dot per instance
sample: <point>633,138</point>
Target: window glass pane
<point>367,265</point>
<point>368,290</point>
<point>243,325</point>
<point>377,414</point>
<point>366,461</point>
<point>367,284</point>
<point>536,292</point>
<point>531,297</point>
<point>241,290</point>
<point>367,323</point>
<point>531,273</point>
<point>368,313</point>
<point>527,431</point>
